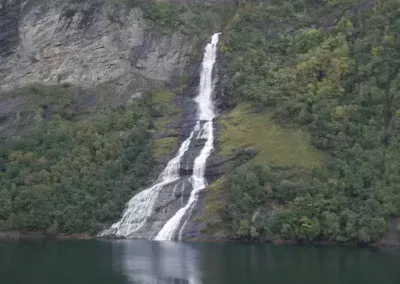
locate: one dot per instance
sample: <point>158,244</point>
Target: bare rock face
<point>84,43</point>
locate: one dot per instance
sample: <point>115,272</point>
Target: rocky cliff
<point>82,43</point>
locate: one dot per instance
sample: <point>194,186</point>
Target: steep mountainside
<point>97,95</point>
<point>92,103</point>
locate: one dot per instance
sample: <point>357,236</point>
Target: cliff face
<point>84,43</point>
<point>111,53</point>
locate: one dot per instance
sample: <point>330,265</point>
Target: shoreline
<point>18,236</point>
<point>378,245</point>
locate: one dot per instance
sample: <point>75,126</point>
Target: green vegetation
<point>331,67</point>
<point>164,146</point>
<point>244,127</point>
<point>162,102</point>
<point>39,97</point>
<point>314,134</point>
<point>193,18</point>
<point>75,172</point>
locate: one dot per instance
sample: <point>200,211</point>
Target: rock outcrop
<point>84,43</point>
<point>111,52</point>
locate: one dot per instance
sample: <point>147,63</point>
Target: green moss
<point>162,100</point>
<point>213,205</point>
<point>163,96</point>
<point>243,127</point>
<point>164,146</point>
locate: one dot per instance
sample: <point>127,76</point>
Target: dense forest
<point>333,68</point>
<point>76,171</point>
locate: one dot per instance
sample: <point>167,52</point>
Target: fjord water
<point>147,262</point>
<point>139,210</point>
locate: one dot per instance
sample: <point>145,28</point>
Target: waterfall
<point>206,115</point>
<point>140,208</point>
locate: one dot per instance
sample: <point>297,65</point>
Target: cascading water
<point>206,115</point>
<point>140,208</point>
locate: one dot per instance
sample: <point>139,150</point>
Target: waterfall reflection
<point>147,262</point>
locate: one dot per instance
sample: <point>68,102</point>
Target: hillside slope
<point>331,67</point>
<point>94,94</point>
<point>91,104</point>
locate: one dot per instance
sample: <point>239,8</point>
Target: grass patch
<point>163,96</point>
<point>214,203</point>
<point>163,103</point>
<point>162,100</point>
<point>243,127</point>
<point>165,145</point>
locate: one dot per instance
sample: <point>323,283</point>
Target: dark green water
<point>123,262</point>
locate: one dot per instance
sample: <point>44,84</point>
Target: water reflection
<point>236,264</point>
<point>144,262</point>
<point>157,262</point>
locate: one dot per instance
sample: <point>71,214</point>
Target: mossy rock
<point>164,146</point>
<point>162,99</point>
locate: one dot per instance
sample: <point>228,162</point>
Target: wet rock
<point>170,199</point>
<point>9,22</point>
<point>221,98</point>
<point>192,89</point>
<point>13,116</point>
<point>215,163</point>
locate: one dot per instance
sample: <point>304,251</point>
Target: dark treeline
<point>73,175</point>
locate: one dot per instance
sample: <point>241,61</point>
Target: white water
<point>206,115</point>
<point>140,207</point>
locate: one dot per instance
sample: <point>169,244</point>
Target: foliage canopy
<point>332,67</point>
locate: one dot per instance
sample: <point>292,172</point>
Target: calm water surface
<point>128,262</point>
